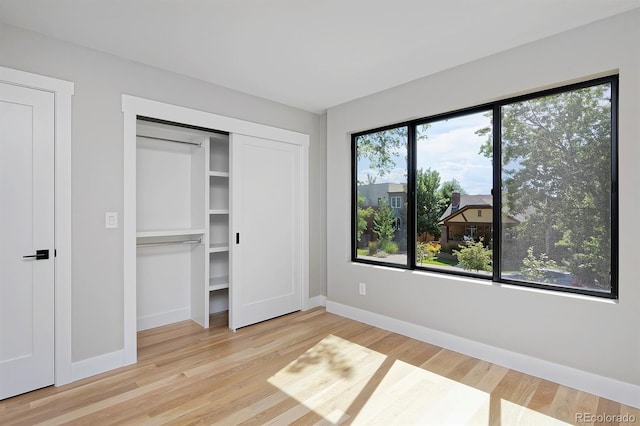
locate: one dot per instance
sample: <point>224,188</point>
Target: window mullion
<point>497,190</point>
<point>412,231</point>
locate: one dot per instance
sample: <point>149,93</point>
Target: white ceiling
<point>310,54</point>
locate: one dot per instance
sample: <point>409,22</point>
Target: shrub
<point>423,253</point>
<point>474,256</point>
<point>448,248</point>
<point>434,247</point>
<point>389,247</point>
<point>533,267</point>
<point>373,248</point>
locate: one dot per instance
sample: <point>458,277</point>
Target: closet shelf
<point>218,174</point>
<point>170,233</point>
<point>218,283</point>
<point>218,248</point>
<point>219,211</point>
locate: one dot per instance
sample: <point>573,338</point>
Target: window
<point>471,231</point>
<point>556,178</point>
<point>380,170</point>
<point>532,203</point>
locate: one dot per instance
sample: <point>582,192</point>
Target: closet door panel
<point>266,222</point>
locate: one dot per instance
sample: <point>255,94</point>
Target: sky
<point>451,148</point>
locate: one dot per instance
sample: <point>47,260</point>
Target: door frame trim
<point>134,106</point>
<point>63,91</point>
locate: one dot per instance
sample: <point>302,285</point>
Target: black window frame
<point>495,109</point>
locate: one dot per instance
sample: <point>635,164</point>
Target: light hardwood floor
<point>305,368</point>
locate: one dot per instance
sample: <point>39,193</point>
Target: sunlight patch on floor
<point>336,375</point>
<point>411,395</point>
<point>514,414</point>
<point>329,376</point>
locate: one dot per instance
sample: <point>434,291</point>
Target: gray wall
<point>97,165</point>
<point>588,334</point>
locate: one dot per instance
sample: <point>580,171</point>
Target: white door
<point>266,228</point>
<point>26,239</point>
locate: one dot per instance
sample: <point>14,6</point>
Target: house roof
<point>479,201</point>
<point>469,200</point>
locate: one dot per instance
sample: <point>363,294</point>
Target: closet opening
<point>182,223</point>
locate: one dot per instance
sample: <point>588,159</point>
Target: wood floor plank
<point>307,368</point>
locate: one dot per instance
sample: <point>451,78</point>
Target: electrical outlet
<point>363,289</point>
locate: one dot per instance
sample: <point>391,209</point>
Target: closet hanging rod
<point>169,140</point>
<point>168,243</point>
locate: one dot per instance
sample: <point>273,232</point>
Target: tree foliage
<point>432,199</point>
<point>474,256</point>
<point>533,267</point>
<point>556,159</point>
<point>446,192</point>
<point>383,221</point>
<point>428,201</point>
<point>381,147</point>
<point>364,213</point>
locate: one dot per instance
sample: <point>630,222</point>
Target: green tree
<point>364,213</point>
<point>474,256</point>
<point>446,192</point>
<point>383,220</point>
<point>428,201</point>
<point>432,199</point>
<point>381,148</point>
<point>556,162</point>
<point>533,267</point>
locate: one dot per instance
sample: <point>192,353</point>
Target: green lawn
<point>439,261</point>
<point>433,261</point>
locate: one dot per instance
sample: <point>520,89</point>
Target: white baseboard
<point>96,365</point>
<point>163,318</point>
<point>625,393</point>
<point>315,301</point>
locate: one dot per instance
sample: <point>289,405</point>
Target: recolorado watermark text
<point>605,418</point>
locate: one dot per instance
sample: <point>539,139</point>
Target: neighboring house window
<point>471,231</point>
<point>548,175</point>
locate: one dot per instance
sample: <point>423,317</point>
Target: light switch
<point>111,220</point>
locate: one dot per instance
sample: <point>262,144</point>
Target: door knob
<point>40,255</point>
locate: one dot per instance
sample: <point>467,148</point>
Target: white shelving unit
<point>219,283</point>
<point>219,248</point>
<point>218,230</point>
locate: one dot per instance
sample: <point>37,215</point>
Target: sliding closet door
<point>266,226</point>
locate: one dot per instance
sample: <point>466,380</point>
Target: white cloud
<point>452,148</point>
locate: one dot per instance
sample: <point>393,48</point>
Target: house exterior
<point>470,217</point>
<point>392,195</point>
